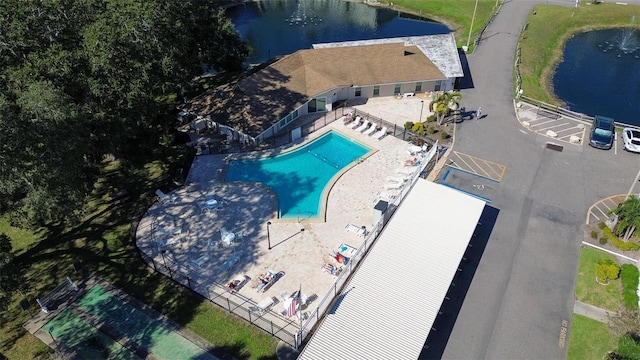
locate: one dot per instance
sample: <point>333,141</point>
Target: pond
<point>281,27</point>
<point>599,74</point>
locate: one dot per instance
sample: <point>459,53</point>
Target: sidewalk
<point>593,312</point>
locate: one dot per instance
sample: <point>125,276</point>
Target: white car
<point>631,138</point>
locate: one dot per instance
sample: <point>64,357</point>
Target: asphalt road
<point>521,299</point>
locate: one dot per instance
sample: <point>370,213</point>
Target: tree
<point>81,79</point>
<point>445,102</point>
<point>9,277</point>
<point>628,214</point>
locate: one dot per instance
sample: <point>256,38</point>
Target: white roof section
<point>389,305</point>
<point>440,49</point>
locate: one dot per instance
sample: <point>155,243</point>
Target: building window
<point>317,105</point>
<point>358,91</point>
<point>283,122</point>
<point>295,114</point>
<point>397,89</point>
<point>438,85</point>
<point>376,90</point>
<point>418,87</point>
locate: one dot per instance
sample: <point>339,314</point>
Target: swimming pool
<point>299,177</point>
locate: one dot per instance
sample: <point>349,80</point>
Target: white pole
<point>473,18</point>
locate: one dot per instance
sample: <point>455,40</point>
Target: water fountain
<point>302,17</point>
<point>626,43</point>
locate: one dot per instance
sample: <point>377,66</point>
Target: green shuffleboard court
<point>102,326</point>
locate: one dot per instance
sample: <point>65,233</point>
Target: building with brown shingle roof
<point>313,80</point>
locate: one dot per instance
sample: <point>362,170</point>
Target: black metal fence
<point>269,320</point>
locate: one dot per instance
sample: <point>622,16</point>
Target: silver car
<point>631,138</point>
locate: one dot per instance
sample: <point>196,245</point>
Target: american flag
<point>292,310</point>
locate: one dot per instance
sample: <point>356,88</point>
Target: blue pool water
<point>299,177</point>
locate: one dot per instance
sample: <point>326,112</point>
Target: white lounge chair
<point>393,185</point>
<point>227,237</point>
<point>370,130</point>
<point>405,171</point>
<point>354,123</point>
<point>262,307</point>
<point>396,179</point>
<point>164,198</point>
<point>380,133</point>
<point>363,126</point>
<point>383,195</point>
<point>347,251</point>
<point>355,229</point>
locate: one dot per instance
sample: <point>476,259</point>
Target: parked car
<point>602,133</point>
<point>631,138</point>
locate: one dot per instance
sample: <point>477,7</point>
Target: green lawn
<point>550,28</point>
<point>103,244</point>
<point>457,14</point>
<point>588,290</point>
<point>589,339</point>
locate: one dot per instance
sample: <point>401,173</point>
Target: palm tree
<point>628,213</point>
<point>445,102</point>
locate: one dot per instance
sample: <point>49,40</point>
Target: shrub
<point>629,279</point>
<point>418,128</point>
<point>417,141</point>
<point>444,135</point>
<point>431,118</point>
<point>622,245</point>
<point>594,234</point>
<point>602,225</point>
<point>607,270</point>
<point>603,240</point>
<point>408,125</point>
<point>431,130</point>
<point>628,348</point>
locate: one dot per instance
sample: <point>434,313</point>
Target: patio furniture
<point>266,280</point>
<point>210,204</point>
<point>201,261</point>
<point>370,130</point>
<point>360,231</point>
<point>406,172</point>
<point>227,237</point>
<point>332,269</point>
<point>347,251</point>
<point>393,185</point>
<point>262,307</point>
<point>384,195</point>
<point>396,179</point>
<point>164,198</point>
<point>235,284</point>
<point>380,133</point>
<point>354,123</point>
<point>363,126</point>
<point>232,260</point>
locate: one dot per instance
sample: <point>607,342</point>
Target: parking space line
<point>477,166</point>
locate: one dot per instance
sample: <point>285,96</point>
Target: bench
<point>409,94</point>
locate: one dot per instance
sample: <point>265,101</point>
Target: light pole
<point>268,236</point>
<point>421,108</point>
<point>51,334</point>
<point>473,18</point>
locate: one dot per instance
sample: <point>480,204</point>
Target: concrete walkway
<point>590,311</point>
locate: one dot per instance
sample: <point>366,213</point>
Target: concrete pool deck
<point>296,253</point>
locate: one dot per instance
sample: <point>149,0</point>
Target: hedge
<point>629,278</point>
<point>622,245</point>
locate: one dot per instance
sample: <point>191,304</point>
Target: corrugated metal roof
<point>388,307</point>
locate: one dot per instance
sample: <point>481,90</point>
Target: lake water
<point>280,27</point>
<point>599,75</point>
